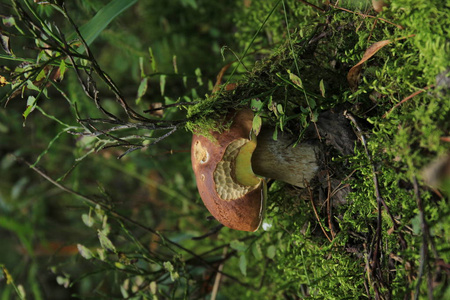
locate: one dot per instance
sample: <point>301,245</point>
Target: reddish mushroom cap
<point>235,205</point>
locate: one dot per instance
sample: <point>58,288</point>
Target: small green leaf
<point>270,103</point>
<point>105,242</point>
<point>275,134</point>
<point>87,220</point>
<point>141,66</point>
<point>280,109</point>
<point>99,212</point>
<point>257,124</point>
<point>170,268</point>
<point>271,251</point>
<point>101,254</point>
<point>152,59</point>
<point>162,83</point>
<point>296,80</point>
<point>62,69</point>
<point>282,120</point>
<point>8,21</point>
<point>64,281</point>
<point>174,62</point>
<point>198,73</point>
<point>85,252</point>
<point>257,252</point>
<point>238,245</point>
<point>256,105</point>
<point>119,265</point>
<point>142,89</point>
<point>31,105</point>
<point>41,76</point>
<point>32,86</point>
<point>322,88</point>
<point>243,264</point>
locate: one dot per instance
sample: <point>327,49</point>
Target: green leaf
<point>152,59</point>
<point>8,21</point>
<point>99,212</point>
<point>296,80</point>
<point>169,267</point>
<point>31,105</point>
<point>62,69</point>
<point>92,29</point>
<point>101,254</point>
<point>256,105</point>
<point>41,75</point>
<point>85,252</point>
<point>175,67</point>
<point>87,220</point>
<point>119,265</point>
<point>243,264</point>
<point>322,88</point>
<point>257,124</point>
<point>271,251</point>
<point>280,109</point>
<point>162,83</point>
<point>64,281</point>
<point>257,252</point>
<point>238,245</point>
<point>105,242</point>
<point>198,73</point>
<point>142,89</point>
<point>275,134</point>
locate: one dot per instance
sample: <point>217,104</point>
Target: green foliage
<point>107,228</point>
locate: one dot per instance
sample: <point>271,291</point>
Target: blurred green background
<point>55,245</point>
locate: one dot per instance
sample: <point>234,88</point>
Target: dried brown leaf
<point>355,71</point>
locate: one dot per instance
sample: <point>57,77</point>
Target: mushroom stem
<point>279,160</point>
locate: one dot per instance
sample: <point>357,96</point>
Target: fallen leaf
<point>355,71</point>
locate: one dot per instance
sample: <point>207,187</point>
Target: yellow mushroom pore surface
<point>227,186</point>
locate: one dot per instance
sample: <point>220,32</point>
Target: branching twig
<point>366,16</point>
<point>126,219</point>
<point>170,105</point>
<point>407,98</point>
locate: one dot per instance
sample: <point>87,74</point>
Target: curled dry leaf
<point>355,71</point>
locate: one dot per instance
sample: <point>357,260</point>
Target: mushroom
<point>229,170</point>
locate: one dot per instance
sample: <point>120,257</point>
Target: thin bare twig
<point>329,207</point>
<point>366,16</point>
<point>408,98</point>
<point>117,215</point>
<point>170,105</point>
<point>312,5</point>
<point>315,212</point>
